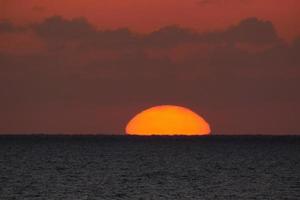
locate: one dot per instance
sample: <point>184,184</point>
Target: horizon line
<point>127,135</point>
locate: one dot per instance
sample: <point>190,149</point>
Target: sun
<point>167,120</point>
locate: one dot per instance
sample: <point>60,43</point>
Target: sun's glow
<point>167,120</point>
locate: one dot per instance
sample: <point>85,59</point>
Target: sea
<point>127,167</point>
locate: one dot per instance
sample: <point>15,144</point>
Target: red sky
<point>149,15</point>
<point>61,72</point>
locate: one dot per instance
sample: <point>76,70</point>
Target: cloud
<point>170,36</point>
<point>58,28</point>
<point>252,30</point>
<point>6,26</point>
<point>59,31</point>
<point>83,66</point>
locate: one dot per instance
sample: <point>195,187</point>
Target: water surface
<point>118,167</point>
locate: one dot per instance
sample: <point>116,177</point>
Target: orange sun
<point>167,120</point>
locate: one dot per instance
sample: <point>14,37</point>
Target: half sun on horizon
<point>167,120</point>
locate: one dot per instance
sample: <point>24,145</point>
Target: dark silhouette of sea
<point>120,167</point>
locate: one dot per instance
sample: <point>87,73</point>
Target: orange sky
<point>147,15</point>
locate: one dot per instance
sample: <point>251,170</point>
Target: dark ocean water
<point>149,168</point>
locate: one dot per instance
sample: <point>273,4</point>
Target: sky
<point>88,66</point>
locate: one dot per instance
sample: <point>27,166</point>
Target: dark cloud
<point>57,28</point>
<point>252,30</point>
<point>93,68</point>
<point>59,31</point>
<point>170,36</point>
<point>6,26</point>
